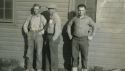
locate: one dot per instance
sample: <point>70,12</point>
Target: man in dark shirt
<point>53,33</point>
<point>83,30</point>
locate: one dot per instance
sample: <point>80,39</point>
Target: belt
<point>50,34</point>
<point>34,30</point>
<point>80,38</point>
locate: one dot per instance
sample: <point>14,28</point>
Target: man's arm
<point>25,26</point>
<point>58,28</point>
<point>92,25</point>
<point>43,23</point>
<point>69,28</point>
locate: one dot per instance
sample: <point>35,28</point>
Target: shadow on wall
<point>25,47</point>
<point>67,50</point>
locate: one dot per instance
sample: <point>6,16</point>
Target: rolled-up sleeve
<point>25,26</point>
<point>58,28</point>
<point>92,25</point>
<point>69,27</point>
<point>43,22</point>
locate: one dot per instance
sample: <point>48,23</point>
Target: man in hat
<point>83,30</point>
<point>53,37</point>
<point>34,28</point>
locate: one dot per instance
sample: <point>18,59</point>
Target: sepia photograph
<point>62,35</point>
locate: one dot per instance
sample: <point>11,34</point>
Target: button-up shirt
<point>34,23</point>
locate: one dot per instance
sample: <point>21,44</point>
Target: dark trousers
<point>51,53</point>
<point>35,42</point>
<point>80,45</point>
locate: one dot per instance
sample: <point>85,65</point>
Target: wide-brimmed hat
<point>52,6</point>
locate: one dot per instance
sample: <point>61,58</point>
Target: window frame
<point>8,20</point>
<point>73,7</point>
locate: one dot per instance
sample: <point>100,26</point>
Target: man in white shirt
<point>34,28</point>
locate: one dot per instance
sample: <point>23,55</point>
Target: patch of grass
<point>9,64</point>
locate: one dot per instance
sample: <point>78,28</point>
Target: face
<point>51,10</point>
<point>81,11</point>
<point>36,10</point>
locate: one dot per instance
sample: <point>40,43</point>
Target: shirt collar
<point>83,17</point>
<point>37,15</point>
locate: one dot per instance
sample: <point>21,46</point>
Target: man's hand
<point>54,38</point>
<point>70,37</point>
<point>90,37</point>
<point>26,33</point>
<point>41,32</point>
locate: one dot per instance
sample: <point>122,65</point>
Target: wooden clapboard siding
<point>11,42</point>
<point>91,8</point>
<point>108,48</point>
<point>23,8</point>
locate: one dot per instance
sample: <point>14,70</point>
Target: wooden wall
<point>11,42</point>
<point>23,8</point>
<point>107,49</point>
<point>11,38</point>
